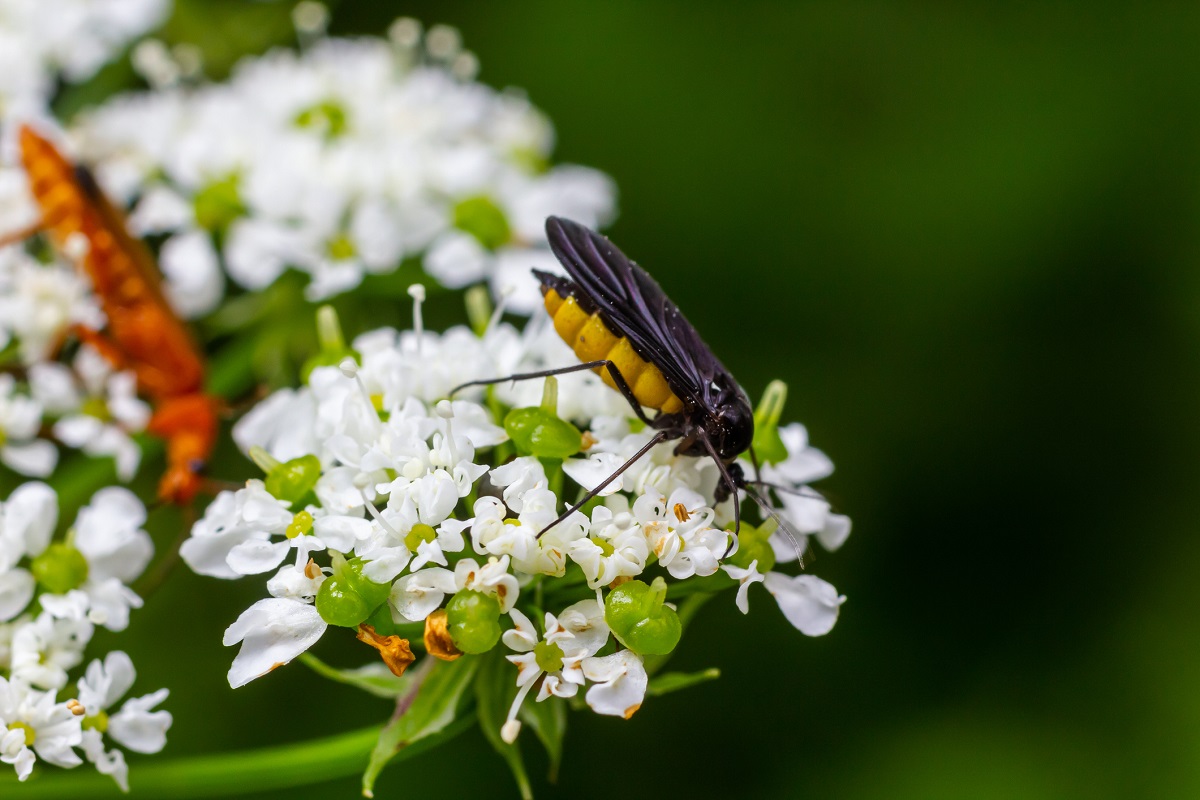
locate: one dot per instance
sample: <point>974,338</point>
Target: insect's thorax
<point>592,340</point>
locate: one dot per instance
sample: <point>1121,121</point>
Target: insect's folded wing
<point>634,304</point>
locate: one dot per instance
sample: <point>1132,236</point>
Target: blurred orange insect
<point>143,334</point>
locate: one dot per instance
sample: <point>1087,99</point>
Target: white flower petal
<point>272,632</point>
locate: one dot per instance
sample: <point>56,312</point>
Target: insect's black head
<point>732,430</point>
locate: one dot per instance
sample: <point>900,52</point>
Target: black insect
<point>621,324</point>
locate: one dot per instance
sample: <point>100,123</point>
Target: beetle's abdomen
<point>591,340</point>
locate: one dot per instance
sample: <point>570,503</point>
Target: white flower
<point>33,726</point>
<point>39,302</point>
<point>679,531</point>
<point>47,648</point>
<point>621,682</point>
<point>234,536</point>
<point>808,602</point>
<point>27,520</point>
<point>98,408</point>
<point>283,424</point>
<point>272,632</point>
<point>137,726</point>
<point>415,596</point>
<point>744,577</point>
<point>578,632</point>
<point>109,535</point>
<point>20,420</point>
<point>615,548</point>
<point>342,161</point>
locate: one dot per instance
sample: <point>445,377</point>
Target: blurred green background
<point>966,236</point>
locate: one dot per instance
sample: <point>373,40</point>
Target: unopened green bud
<point>768,446</point>
<point>338,604</point>
<point>293,481</point>
<point>754,544</point>
<point>218,204</point>
<point>479,308</point>
<point>637,616</point>
<point>483,219</point>
<point>539,431</point>
<point>473,620</point>
<point>331,340</point>
<point>374,594</point>
<point>60,568</point>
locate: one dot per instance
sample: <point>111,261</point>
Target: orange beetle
<point>143,333</point>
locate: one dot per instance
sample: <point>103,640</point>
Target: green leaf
<point>374,678</point>
<point>548,720</point>
<point>494,692</point>
<point>429,707</point>
<point>674,681</point>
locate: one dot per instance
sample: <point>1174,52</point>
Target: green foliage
<point>494,693</point>
<point>426,711</point>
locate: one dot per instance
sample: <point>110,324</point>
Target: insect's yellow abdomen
<point>591,340</point>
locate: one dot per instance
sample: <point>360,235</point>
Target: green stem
<point>227,775</point>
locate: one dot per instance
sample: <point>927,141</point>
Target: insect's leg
<point>101,343</point>
<point>20,235</point>
<point>733,490</point>
<point>659,438</point>
<point>618,379</point>
<point>757,468</point>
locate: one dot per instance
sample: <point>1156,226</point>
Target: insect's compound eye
<point>197,466</point>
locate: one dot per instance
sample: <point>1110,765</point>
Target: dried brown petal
<point>437,638</point>
<point>394,651</point>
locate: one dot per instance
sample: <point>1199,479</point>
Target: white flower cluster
<point>345,160</point>
<point>53,595</point>
<point>86,406</point>
<point>42,41</point>
<point>424,495</point>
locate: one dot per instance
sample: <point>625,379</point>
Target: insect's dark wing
<point>635,304</point>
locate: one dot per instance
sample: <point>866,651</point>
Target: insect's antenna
<point>783,525</point>
<point>803,491</point>
<point>659,438</point>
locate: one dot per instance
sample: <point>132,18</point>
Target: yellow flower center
<point>301,524</point>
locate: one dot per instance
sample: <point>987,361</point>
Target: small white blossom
<point>33,726</point>
<point>620,683</point>
<point>808,602</point>
<point>272,632</point>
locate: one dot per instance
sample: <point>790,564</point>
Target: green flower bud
<point>637,617</point>
<point>347,597</point>
<point>218,204</point>
<point>60,568</point>
<point>339,604</point>
<point>294,480</point>
<point>473,620</point>
<point>332,342</point>
<point>382,621</point>
<point>754,545</point>
<point>767,445</point>
<point>375,594</point>
<point>483,219</point>
<point>538,430</point>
